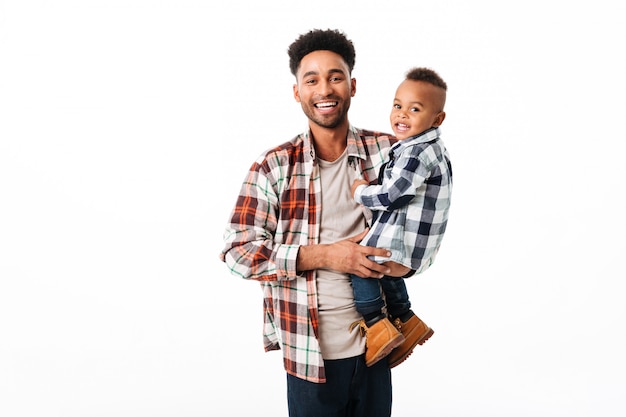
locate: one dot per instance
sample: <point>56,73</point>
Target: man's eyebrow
<point>331,71</point>
<point>335,70</point>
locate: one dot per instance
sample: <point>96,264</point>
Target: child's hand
<point>356,183</point>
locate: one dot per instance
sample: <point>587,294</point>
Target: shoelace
<point>362,326</point>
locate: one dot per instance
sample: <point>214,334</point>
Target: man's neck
<point>329,143</point>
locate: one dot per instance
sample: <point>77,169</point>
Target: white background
<point>127,126</point>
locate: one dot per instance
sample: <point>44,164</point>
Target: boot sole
<point>419,341</point>
<point>386,350</point>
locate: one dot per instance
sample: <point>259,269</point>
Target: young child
<point>410,211</point>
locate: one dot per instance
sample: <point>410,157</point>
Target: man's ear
<point>352,87</point>
<point>439,119</point>
<point>296,93</point>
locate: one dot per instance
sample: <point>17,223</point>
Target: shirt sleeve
<point>400,183</point>
<point>252,250</point>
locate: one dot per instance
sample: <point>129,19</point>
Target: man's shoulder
<point>374,141</point>
<point>295,144</point>
<point>375,135</point>
<point>285,154</point>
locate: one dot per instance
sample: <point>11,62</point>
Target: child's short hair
<point>426,75</point>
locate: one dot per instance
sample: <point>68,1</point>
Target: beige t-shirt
<point>341,218</point>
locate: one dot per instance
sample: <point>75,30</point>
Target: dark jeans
<point>368,299</point>
<point>351,390</point>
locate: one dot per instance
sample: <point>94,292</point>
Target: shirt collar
<point>355,146</point>
<point>426,136</point>
<point>356,149</point>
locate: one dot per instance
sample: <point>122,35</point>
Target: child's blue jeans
<point>368,297</point>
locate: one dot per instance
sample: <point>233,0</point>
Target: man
<point>295,228</point>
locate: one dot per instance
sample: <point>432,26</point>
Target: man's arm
<point>344,256</point>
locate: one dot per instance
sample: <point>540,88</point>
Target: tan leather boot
<point>415,332</point>
<point>381,338</point>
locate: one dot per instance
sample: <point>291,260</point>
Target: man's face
<point>324,88</point>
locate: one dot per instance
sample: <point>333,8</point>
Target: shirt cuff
<point>358,192</point>
<point>286,260</point>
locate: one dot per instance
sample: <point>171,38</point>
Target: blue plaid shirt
<point>410,204</point>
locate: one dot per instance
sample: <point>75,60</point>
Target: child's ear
<point>439,119</point>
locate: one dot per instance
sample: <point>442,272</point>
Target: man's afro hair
<point>321,40</point>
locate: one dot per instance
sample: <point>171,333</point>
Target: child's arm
<point>399,185</point>
<point>358,182</point>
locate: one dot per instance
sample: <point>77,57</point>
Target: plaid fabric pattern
<point>411,203</point>
<point>277,211</point>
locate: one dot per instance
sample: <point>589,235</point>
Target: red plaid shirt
<point>277,211</point>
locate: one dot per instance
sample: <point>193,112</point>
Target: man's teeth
<point>325,105</point>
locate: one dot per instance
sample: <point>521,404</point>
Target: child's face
<point>418,106</point>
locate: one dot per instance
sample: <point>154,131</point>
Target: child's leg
<point>367,297</point>
<point>414,330</point>
<point>396,296</point>
<point>381,335</point>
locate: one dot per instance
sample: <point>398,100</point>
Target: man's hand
<point>344,256</point>
<point>356,184</point>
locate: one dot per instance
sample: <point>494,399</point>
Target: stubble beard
<point>329,122</point>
